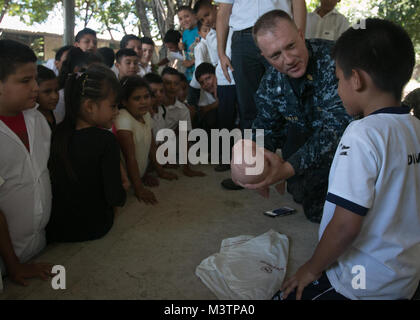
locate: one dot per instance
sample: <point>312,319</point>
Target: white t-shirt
<point>329,27</point>
<point>60,109</point>
<point>115,70</point>
<point>175,60</point>
<point>206,98</point>
<point>214,57</point>
<point>25,188</point>
<point>50,64</point>
<point>211,42</point>
<point>376,174</point>
<point>245,12</point>
<point>201,55</point>
<point>144,70</point>
<point>175,113</point>
<point>142,136</point>
<point>159,121</point>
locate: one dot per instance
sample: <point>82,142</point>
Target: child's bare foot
<point>20,272</point>
<point>171,166</point>
<point>167,175</point>
<point>146,195</point>
<point>150,181</point>
<point>192,173</point>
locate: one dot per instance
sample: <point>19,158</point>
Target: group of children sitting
<point>77,135</point>
<point>73,144</point>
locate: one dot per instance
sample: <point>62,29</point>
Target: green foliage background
<point>113,14</point>
<point>403,12</point>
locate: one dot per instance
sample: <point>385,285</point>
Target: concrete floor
<point>152,251</point>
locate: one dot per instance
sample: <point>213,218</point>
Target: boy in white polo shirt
<point>226,90</point>
<point>25,189</point>
<point>176,111</point>
<point>370,231</point>
<point>326,22</point>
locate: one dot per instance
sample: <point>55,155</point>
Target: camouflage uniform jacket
<point>310,105</point>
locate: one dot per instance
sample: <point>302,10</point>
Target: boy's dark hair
<point>125,53</point>
<point>126,39</point>
<point>13,54</point>
<point>200,4</point>
<point>383,49</point>
<point>44,74</point>
<point>199,25</point>
<point>412,100</point>
<point>153,78</point>
<point>204,68</point>
<point>172,36</point>
<point>94,58</point>
<point>107,55</point>
<point>129,84</point>
<point>61,51</point>
<point>84,32</point>
<point>76,58</point>
<point>95,83</point>
<point>184,8</point>
<point>171,71</point>
<point>147,40</point>
<point>183,78</point>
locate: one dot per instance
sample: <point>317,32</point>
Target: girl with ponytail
<point>85,159</point>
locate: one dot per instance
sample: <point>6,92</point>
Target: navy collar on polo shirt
<point>396,110</point>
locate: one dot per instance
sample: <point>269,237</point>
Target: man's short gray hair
<point>267,22</point>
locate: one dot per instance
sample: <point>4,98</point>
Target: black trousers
<point>310,188</point>
<point>320,289</point>
<point>249,66</point>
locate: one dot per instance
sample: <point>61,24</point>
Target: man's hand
<point>300,280</point>
<point>20,272</point>
<point>278,170</point>
<point>225,64</point>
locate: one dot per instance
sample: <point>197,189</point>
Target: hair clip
<point>79,74</point>
<point>84,82</point>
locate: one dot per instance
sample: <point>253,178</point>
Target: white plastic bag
<point>247,268</point>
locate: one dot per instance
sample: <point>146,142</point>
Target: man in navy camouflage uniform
<point>299,109</point>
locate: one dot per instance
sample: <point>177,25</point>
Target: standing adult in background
<point>326,22</point>
<point>248,65</point>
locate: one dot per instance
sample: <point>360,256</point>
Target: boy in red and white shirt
<point>25,189</point>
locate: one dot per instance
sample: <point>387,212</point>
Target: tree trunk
<point>109,30</point>
<point>123,27</point>
<point>144,21</point>
<point>160,16</point>
<point>86,20</point>
<point>4,9</point>
<point>171,14</point>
